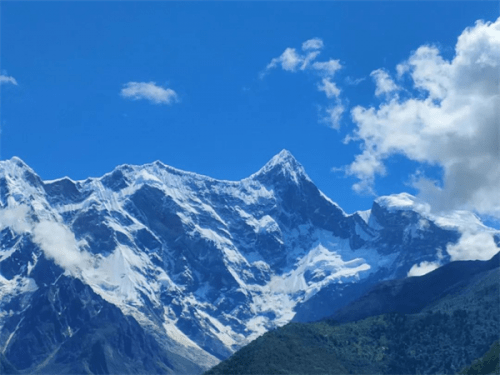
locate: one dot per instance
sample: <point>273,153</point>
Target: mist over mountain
<point>189,269</point>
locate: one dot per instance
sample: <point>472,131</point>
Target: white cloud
<point>401,69</point>
<point>422,268</point>
<point>329,88</point>
<point>314,43</point>
<point>54,239</point>
<point>289,60</point>
<point>452,122</point>
<point>384,83</point>
<point>473,246</point>
<point>15,218</point>
<point>149,91</point>
<point>327,67</point>
<point>334,115</point>
<point>59,243</point>
<point>292,61</point>
<point>354,81</point>
<point>7,79</point>
<point>308,58</point>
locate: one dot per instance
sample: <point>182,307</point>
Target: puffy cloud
<point>149,91</point>
<point>15,218</point>
<point>422,268</point>
<point>383,82</point>
<point>452,121</point>
<point>7,80</point>
<point>59,243</point>
<point>289,60</point>
<point>54,239</point>
<point>473,246</point>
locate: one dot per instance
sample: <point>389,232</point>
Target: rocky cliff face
<point>197,266</point>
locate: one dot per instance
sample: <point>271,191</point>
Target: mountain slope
<point>67,329</point>
<point>488,364</point>
<point>404,228</point>
<point>446,336</point>
<point>204,266</point>
<point>413,294</point>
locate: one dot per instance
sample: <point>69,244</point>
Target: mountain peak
<point>284,164</point>
<point>16,162</point>
<point>284,155</point>
<point>16,167</point>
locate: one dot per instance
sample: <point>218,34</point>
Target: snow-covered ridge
<point>284,160</point>
<point>209,264</point>
<point>458,219</point>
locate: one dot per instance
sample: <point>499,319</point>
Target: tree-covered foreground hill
<point>488,364</point>
<point>444,337</point>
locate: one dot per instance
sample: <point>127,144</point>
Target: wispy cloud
<point>149,91</point>
<point>7,80</point>
<point>354,81</point>
<point>312,44</point>
<point>292,61</point>
<point>451,121</point>
<point>327,68</point>
<point>334,115</point>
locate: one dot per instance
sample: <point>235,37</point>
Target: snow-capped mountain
<point>203,265</point>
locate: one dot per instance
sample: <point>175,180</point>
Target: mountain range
<point>150,269</point>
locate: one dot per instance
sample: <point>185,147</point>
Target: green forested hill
<point>488,364</point>
<point>442,339</point>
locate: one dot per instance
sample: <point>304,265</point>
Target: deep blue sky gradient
<point>71,59</point>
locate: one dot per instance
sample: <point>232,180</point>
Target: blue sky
<point>87,86</point>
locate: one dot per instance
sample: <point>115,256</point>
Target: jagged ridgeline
<point>150,269</point>
<point>454,327</point>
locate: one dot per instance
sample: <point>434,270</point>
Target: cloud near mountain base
<point>473,246</point>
